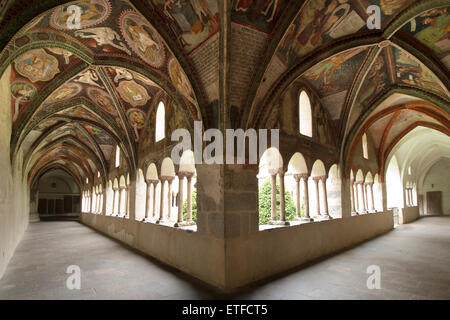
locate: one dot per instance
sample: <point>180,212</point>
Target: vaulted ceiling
<point>78,91</point>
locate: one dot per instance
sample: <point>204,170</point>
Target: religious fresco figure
<point>37,65</point>
<point>93,12</point>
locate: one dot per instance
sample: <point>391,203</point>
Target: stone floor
<point>414,261</point>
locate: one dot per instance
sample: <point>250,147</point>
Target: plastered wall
<point>14,198</point>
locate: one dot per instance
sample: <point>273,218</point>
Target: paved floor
<point>414,261</point>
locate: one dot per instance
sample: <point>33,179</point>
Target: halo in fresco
<point>67,91</point>
<point>23,91</point>
<point>102,99</point>
<point>37,65</point>
<point>180,80</point>
<point>142,38</point>
<point>133,93</point>
<point>136,118</point>
<point>93,12</point>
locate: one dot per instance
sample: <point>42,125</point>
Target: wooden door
<point>434,202</point>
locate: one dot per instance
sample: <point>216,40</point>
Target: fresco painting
<point>93,12</point>
<point>320,21</point>
<point>100,136</point>
<point>102,99</point>
<point>37,65</point>
<point>336,73</point>
<point>192,21</point>
<point>262,14</point>
<point>432,28</point>
<point>142,38</point>
<point>67,91</point>
<point>133,93</point>
<point>376,80</point>
<point>181,81</point>
<point>411,72</point>
<point>22,93</point>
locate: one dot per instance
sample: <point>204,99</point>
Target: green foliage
<point>194,207</point>
<point>265,200</point>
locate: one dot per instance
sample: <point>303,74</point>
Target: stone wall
<point>408,214</point>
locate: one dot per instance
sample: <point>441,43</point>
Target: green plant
<point>265,201</point>
<point>194,207</point>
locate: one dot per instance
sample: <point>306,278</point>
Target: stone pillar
<point>155,184</point>
<point>274,197</point>
<point>355,187</point>
<point>372,202</point>
<point>282,198</point>
<point>161,204</point>
<point>352,192</point>
<point>126,210</point>
<point>169,198</point>
<point>297,179</point>
<point>113,211</point>
<point>119,211</point>
<point>189,200</point>
<point>180,199</point>
<point>363,194</point>
<point>325,214</point>
<point>147,199</point>
<point>93,202</point>
<point>408,192</point>
<point>316,182</point>
<point>307,217</point>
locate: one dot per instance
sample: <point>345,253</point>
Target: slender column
<point>372,200</point>
<point>93,203</point>
<point>155,184</point>
<point>355,187</point>
<point>147,199</point>
<point>169,198</point>
<point>98,203</point>
<point>352,192</point>
<point>119,211</point>
<point>324,197</point>
<point>408,197</point>
<point>113,211</point>
<point>363,198</point>
<point>180,198</point>
<point>127,198</point>
<point>316,182</point>
<point>282,198</point>
<point>161,205</point>
<point>297,197</point>
<point>274,197</point>
<point>189,200</point>
<point>306,196</point>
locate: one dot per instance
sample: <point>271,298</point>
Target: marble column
<point>126,204</point>
<point>363,194</point>
<point>372,200</point>
<point>352,192</point>
<point>325,214</point>
<point>169,198</point>
<point>297,179</point>
<point>147,199</point>
<point>355,187</point>
<point>282,198</point>
<point>316,182</point>
<point>307,217</point>
<point>155,184</point>
<point>161,204</point>
<point>189,200</point>
<point>274,197</point>
<point>180,199</point>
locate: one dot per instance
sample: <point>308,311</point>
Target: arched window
<point>364,146</point>
<point>117,156</point>
<point>409,170</point>
<point>305,117</point>
<point>160,123</point>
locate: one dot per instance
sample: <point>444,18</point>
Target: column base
<point>326,217</point>
<point>354,213</point>
<point>278,223</point>
<point>184,224</point>
<point>303,219</point>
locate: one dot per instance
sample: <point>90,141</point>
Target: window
<point>98,174</point>
<point>117,156</point>
<point>305,118</point>
<point>160,123</point>
<point>364,146</point>
<point>87,180</point>
<point>409,170</point>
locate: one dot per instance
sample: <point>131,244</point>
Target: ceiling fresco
<point>81,89</point>
<point>432,28</point>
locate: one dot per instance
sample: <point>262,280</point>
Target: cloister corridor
<point>413,259</point>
